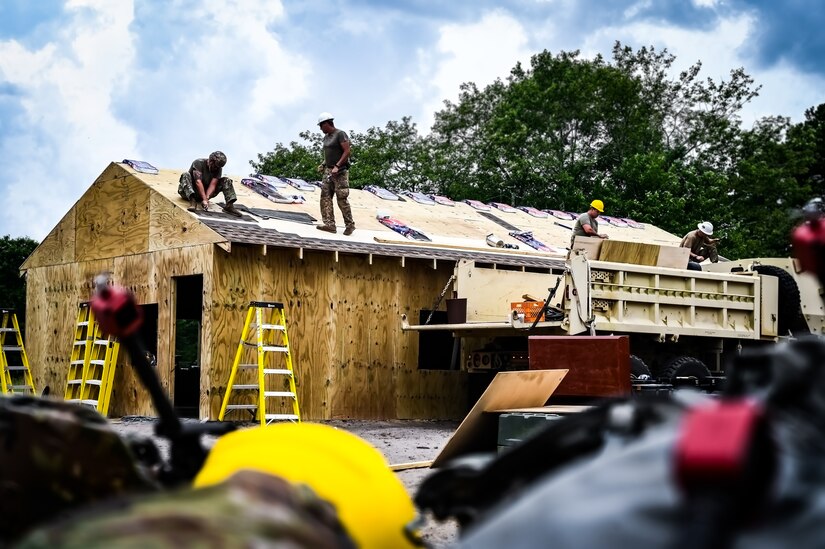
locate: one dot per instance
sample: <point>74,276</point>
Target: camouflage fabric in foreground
<point>56,457</point>
<point>250,509</point>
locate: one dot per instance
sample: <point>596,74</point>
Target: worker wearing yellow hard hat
<point>586,223</point>
<point>340,467</point>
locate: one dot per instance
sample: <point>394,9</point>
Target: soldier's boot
<point>232,210</point>
<point>349,230</point>
<point>193,204</point>
<point>326,228</point>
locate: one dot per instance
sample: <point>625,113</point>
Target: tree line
<point>656,147</point>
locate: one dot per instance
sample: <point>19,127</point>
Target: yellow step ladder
<point>92,364</point>
<point>265,387</point>
<point>17,377</point>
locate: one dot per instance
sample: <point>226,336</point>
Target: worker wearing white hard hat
<point>701,245</point>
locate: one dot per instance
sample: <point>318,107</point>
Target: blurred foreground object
<point>250,509</point>
<point>742,470</point>
<point>340,467</point>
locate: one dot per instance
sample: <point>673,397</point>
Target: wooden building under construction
<point>344,295</point>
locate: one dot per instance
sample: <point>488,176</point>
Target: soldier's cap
<point>218,158</point>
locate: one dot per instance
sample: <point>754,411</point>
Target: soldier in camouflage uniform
<point>56,457</point>
<point>250,509</point>
<point>336,175</point>
<point>205,180</point>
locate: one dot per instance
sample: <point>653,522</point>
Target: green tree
<point>298,160</point>
<point>13,252</point>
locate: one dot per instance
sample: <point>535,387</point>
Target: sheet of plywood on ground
<point>237,281</point>
<point>423,393</point>
<point>363,351</point>
<point>172,227</point>
<point>58,247</point>
<point>636,253</point>
<point>112,217</point>
<point>507,390</point>
<point>673,257</point>
<point>52,297</point>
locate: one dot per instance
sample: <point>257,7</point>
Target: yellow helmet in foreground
<point>598,204</point>
<point>340,467</point>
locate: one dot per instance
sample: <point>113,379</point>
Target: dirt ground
<point>399,441</point>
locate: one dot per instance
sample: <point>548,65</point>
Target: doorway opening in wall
<point>187,321</point>
<point>435,349</point>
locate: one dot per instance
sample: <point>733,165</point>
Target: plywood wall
<point>53,296</point>
<point>350,356</point>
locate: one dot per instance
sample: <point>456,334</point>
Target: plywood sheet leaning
<point>637,253</point>
<point>590,245</point>
<point>508,390</point>
<point>673,257</point>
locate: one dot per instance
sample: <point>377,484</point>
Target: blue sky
<point>87,82</point>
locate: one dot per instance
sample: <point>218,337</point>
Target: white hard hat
<point>706,227</point>
<point>324,116</point>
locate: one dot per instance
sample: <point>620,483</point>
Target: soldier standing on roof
<point>205,180</point>
<point>701,245</point>
<point>586,224</point>
<point>336,175</point>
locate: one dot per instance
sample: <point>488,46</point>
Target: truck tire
<point>684,366</point>
<point>789,312</point>
<point>638,368</point>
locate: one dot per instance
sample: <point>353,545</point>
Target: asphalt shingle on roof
<point>242,233</point>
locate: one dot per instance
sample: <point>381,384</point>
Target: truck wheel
<point>684,366</point>
<point>638,368</point>
<point>789,312</point>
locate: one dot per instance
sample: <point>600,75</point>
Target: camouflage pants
<point>338,185</point>
<point>186,188</point>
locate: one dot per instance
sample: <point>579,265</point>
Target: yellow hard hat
<point>598,204</point>
<point>340,467</point>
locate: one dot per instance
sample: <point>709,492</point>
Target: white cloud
<point>478,52</point>
<point>66,124</point>
<point>86,100</point>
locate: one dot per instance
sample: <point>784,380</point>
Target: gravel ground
<point>399,441</point>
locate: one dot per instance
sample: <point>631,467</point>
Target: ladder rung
<point>273,327</point>
<point>19,386</point>
<point>272,394</point>
<point>97,362</point>
<point>84,323</point>
<point>93,382</point>
<point>282,416</point>
<point>275,348</point>
<point>89,402</point>
<point>7,330</point>
<point>12,348</point>
<point>15,368</point>
<point>245,387</point>
<point>77,362</point>
<point>79,343</point>
<point>242,407</point>
<point>101,341</point>
<point>277,371</point>
<point>75,382</point>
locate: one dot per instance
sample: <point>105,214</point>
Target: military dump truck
<point>679,322</point>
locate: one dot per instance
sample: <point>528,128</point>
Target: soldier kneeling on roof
<point>205,180</point>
